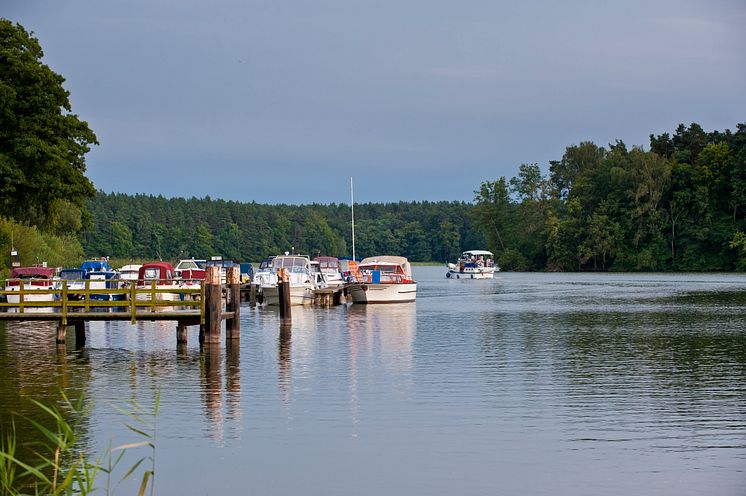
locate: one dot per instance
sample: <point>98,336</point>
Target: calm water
<point>556,384</point>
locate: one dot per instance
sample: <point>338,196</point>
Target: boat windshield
<point>191,264</point>
<point>71,275</point>
<point>292,264</point>
<point>391,269</point>
<point>151,273</point>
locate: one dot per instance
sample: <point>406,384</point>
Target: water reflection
<point>534,383</point>
<point>388,330</point>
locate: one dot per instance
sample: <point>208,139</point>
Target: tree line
<point>146,226</point>
<point>678,206</point>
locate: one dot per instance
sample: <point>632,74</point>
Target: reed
<point>58,465</point>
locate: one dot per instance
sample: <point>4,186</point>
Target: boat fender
<point>458,276</point>
<point>448,275</point>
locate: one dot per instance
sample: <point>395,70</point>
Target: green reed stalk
<point>60,467</point>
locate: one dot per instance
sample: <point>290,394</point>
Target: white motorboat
<point>302,280</point>
<point>385,279</point>
<point>128,274</point>
<point>473,264</point>
<point>36,281</point>
<point>330,268</point>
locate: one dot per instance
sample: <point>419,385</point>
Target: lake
<point>541,384</point>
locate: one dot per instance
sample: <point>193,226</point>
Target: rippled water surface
<point>556,384</point>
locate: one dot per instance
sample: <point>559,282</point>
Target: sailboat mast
<point>352,207</point>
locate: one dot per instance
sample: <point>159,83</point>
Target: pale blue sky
<point>276,101</point>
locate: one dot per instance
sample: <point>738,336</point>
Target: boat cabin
<point>161,272</point>
<point>35,276</point>
<point>292,263</point>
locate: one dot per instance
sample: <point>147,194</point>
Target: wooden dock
<point>206,306</point>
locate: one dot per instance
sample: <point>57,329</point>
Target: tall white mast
<point>352,207</point>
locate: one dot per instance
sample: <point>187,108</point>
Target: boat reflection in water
<point>386,332</point>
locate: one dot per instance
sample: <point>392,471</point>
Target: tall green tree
<point>42,144</point>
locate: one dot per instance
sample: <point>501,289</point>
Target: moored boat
<point>36,281</point>
<point>385,279</point>
<point>329,266</point>
<point>128,274</point>
<point>301,278</point>
<point>160,273</point>
<point>74,281</point>
<point>473,264</point>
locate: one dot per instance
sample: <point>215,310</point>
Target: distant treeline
<point>679,206</point>
<point>146,227</point>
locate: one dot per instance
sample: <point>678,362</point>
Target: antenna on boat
<point>352,207</point>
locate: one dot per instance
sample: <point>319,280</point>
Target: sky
<point>279,101</point>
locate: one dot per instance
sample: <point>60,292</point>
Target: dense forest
<point>679,206</point>
<point>142,226</point>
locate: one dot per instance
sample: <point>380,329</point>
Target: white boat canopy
<point>477,253</point>
<point>389,259</point>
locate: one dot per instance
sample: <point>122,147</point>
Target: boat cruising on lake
<point>473,264</point>
<point>385,279</point>
<point>302,280</point>
<point>36,281</point>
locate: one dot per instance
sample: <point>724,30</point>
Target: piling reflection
<point>284,365</point>
<point>233,381</point>
<point>211,388</point>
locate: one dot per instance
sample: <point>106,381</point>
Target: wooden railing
<point>65,301</point>
<point>204,302</point>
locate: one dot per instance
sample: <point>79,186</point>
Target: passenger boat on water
<point>473,264</point>
<point>385,279</point>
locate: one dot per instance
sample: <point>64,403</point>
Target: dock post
<point>181,333</point>
<point>213,305</point>
<point>283,292</point>
<point>61,332</point>
<point>79,333</point>
<point>233,303</point>
<point>252,295</point>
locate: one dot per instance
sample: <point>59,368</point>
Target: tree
<point>42,144</point>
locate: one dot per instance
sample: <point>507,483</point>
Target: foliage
<point>678,206</point>
<point>36,246</point>
<point>61,466</point>
<point>147,227</point>
<point>42,144</point>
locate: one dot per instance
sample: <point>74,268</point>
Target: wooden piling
<point>181,332</point>
<point>213,305</point>
<point>283,291</point>
<point>233,303</point>
<point>61,332</point>
<point>252,295</point>
<point>79,333</point>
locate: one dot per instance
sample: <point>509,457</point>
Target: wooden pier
<point>207,306</point>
